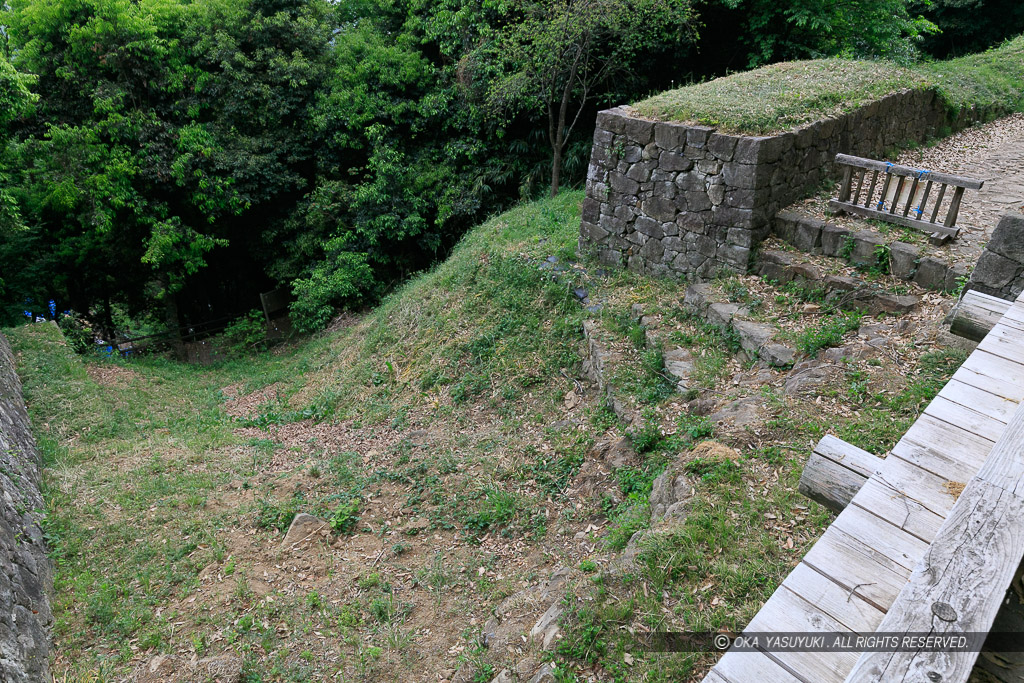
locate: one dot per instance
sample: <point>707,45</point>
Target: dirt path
<point>993,152</point>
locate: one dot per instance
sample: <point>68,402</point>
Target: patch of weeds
<point>735,290</point>
<point>494,508</point>
<point>272,514</point>
<point>695,427</point>
<point>846,251</point>
<point>626,519</point>
<point>371,580</point>
<point>715,470</point>
<point>829,332</point>
<point>344,517</point>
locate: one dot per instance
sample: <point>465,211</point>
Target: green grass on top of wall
<point>785,95</point>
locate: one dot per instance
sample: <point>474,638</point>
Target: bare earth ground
<point>993,152</point>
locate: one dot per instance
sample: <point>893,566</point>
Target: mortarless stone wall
<point>25,571</point>
<point>1000,270</point>
<point>675,199</point>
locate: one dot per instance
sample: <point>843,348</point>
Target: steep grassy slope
<point>460,457</point>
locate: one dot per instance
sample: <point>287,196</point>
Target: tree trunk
<point>173,322</point>
<point>556,169</point>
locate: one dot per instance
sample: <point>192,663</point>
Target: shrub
<point>342,279</point>
<point>247,333</point>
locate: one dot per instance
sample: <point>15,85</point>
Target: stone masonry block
<point>903,259</point>
<point>807,234</point>
<point>931,273</point>
<point>833,239</point>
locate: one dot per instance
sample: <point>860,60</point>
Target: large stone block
<point>621,183</point>
<point>722,146</point>
<point>648,226</point>
<point>747,149</point>
<point>931,273</point>
<point>673,162</point>
<point>670,136</point>
<point>639,131</point>
<point>660,208</point>
<point>807,234</point>
<point>903,259</point>
<point>1008,237</point>
<point>866,248</point>
<point>994,273</point>
<point>834,239</point>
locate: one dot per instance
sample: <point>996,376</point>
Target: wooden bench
<point>959,585</point>
<point>897,200</point>
<point>905,554</point>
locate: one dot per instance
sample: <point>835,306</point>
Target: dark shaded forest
<point>162,162</point>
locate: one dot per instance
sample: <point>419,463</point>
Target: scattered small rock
<point>305,528</point>
<point>741,412</point>
<point>173,669</point>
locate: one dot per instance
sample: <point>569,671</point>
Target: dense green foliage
<point>183,157</point>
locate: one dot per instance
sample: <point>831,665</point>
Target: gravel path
<point>993,152</point>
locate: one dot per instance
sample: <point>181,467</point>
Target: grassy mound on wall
<point>781,96</point>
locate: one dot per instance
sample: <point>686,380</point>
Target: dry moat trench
<point>506,530</point>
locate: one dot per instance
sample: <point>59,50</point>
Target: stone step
<point>756,339</point>
<point>863,249</point>
<point>851,293</point>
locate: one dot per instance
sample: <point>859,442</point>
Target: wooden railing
<point>900,194</point>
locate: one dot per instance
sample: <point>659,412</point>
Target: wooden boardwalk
<point>853,574</point>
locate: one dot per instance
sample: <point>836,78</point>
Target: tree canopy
<point>167,160</point>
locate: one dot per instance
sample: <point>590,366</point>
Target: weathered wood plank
<point>976,314</point>
<point>957,588</point>
<point>997,367</point>
<point>974,422</point>
<point>857,567</point>
<point>899,170</point>
<point>715,677</point>
<point>943,449</point>
<point>743,667</point>
<point>1004,466</point>
<point>835,472</point>
<point>868,212</point>
<point>954,208</point>
<point>786,611</point>
<point>853,612</point>
<point>871,191</point>
<point>882,536</point>
<point>938,203</point>
<point>1005,342</point>
<point>979,400</point>
<point>904,505</point>
<point>1011,391</point>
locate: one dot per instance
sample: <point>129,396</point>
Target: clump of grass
<point>827,333</point>
<point>994,78</point>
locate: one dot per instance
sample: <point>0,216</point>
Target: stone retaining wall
<point>674,199</point>
<point>1000,270</point>
<point>25,570</point>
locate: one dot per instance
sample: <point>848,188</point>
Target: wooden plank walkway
<point>852,575</point>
